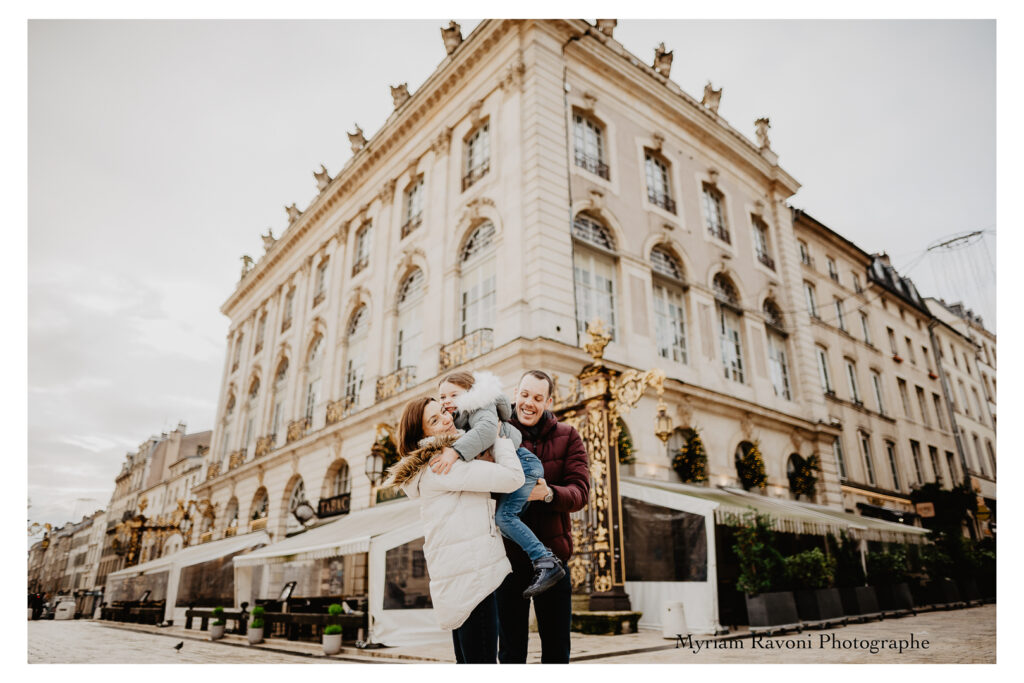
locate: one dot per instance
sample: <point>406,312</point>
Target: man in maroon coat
<point>564,489</point>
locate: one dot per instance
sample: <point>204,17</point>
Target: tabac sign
<point>335,505</point>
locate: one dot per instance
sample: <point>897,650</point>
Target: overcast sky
<point>160,150</point>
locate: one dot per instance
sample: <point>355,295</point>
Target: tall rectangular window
<point>977,403</point>
<point>963,395</point>
<point>840,460</point>
<point>832,272</point>
<point>904,397</point>
<point>978,454</point>
<point>361,258</point>
<point>320,288</point>
<point>413,206</point>
<point>478,155</point>
<point>659,191</point>
<point>856,283</point>
<point>478,295</point>
<point>714,215</point>
<point>892,341</point>
<point>869,465</point>
<point>865,328</point>
<point>937,401</point>
<point>670,323</point>
<point>890,449</point>
<point>910,350</point>
<point>805,254</point>
<point>823,374</point>
<point>812,303</point>
<point>876,384</point>
<point>289,307</point>
<point>261,332</point>
<point>778,366</point>
<point>933,455</point>
<point>851,376</point>
<point>954,471</point>
<point>840,315</point>
<point>595,290</point>
<point>923,406</point>
<point>732,347</point>
<point>915,450</point>
<point>761,243</point>
<point>588,139</point>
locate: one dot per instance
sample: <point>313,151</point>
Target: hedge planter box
<point>945,591</point>
<point>605,623</point>
<point>772,609</point>
<point>822,604</point>
<point>895,597</point>
<point>969,590</point>
<point>859,600</point>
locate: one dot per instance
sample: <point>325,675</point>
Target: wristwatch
<point>550,495</point>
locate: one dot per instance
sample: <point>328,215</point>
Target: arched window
<point>298,496</point>
<point>409,329</point>
<point>314,365</point>
<point>729,326</point>
<point>238,351</point>
<point>231,514</point>
<point>594,274</point>
<point>225,435</point>
<point>778,365</point>
<point>280,382</point>
<point>669,308</point>
<point>477,280</point>
<point>259,505</point>
<point>250,413</point>
<point>355,363</point>
<point>340,483</point>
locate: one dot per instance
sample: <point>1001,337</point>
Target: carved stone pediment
<point>589,101</point>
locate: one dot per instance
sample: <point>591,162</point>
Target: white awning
<point>196,554</point>
<point>350,534</point>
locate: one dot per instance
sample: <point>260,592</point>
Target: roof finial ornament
<point>247,263</point>
<point>662,60</point>
<point>293,212</point>
<point>711,98</point>
<point>322,178</point>
<point>357,139</point>
<point>761,127</point>
<point>607,26</point>
<point>268,240</point>
<point>400,94</point>
<point>452,36</point>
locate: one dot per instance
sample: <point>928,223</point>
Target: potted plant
<point>217,627</point>
<point>750,466</point>
<point>255,633</point>
<point>857,598</point>
<point>761,567</point>
<point>691,461</point>
<point>812,575</point>
<point>888,572</point>
<point>332,632</point>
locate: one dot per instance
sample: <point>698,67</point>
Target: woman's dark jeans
<point>476,641</point>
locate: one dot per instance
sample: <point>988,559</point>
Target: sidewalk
<point>647,645</point>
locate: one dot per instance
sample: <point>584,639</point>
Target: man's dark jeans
<point>554,615</point>
<point>476,641</point>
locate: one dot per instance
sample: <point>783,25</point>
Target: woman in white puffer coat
<point>465,555</point>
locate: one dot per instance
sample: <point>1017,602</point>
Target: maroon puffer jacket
<point>567,472</point>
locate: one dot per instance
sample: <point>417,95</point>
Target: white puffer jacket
<point>465,555</point>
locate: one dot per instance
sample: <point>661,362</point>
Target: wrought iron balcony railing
<point>467,348</point>
<point>340,409</point>
<point>766,259</point>
<point>475,174</point>
<point>662,200</point>
<point>297,429</point>
<point>411,224</point>
<point>265,444</point>
<point>395,383</point>
<point>720,232</point>
<point>592,164</point>
<point>359,265</point>
<point>236,459</point>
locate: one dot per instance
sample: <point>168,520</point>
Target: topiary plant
<point>218,616</point>
<point>334,610</point>
<point>810,570</point>
<point>257,617</point>
<point>760,563</point>
<point>332,630</point>
<point>691,461</point>
<point>750,466</point>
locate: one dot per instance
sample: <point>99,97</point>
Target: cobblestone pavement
<point>90,642</point>
<point>957,636</point>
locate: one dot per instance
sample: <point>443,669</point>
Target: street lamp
<point>304,512</point>
<point>662,422</point>
<point>374,467</point>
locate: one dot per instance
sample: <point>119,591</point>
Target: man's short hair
<point>540,374</point>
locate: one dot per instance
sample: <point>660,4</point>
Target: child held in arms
<point>478,406</point>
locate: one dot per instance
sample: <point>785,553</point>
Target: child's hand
<point>442,464</point>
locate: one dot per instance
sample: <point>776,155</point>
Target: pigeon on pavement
<point>179,646</point>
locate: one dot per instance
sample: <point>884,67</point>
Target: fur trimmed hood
<point>486,391</point>
<point>406,469</point>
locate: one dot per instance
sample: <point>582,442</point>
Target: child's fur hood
<point>486,391</point>
<point>408,467</point>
